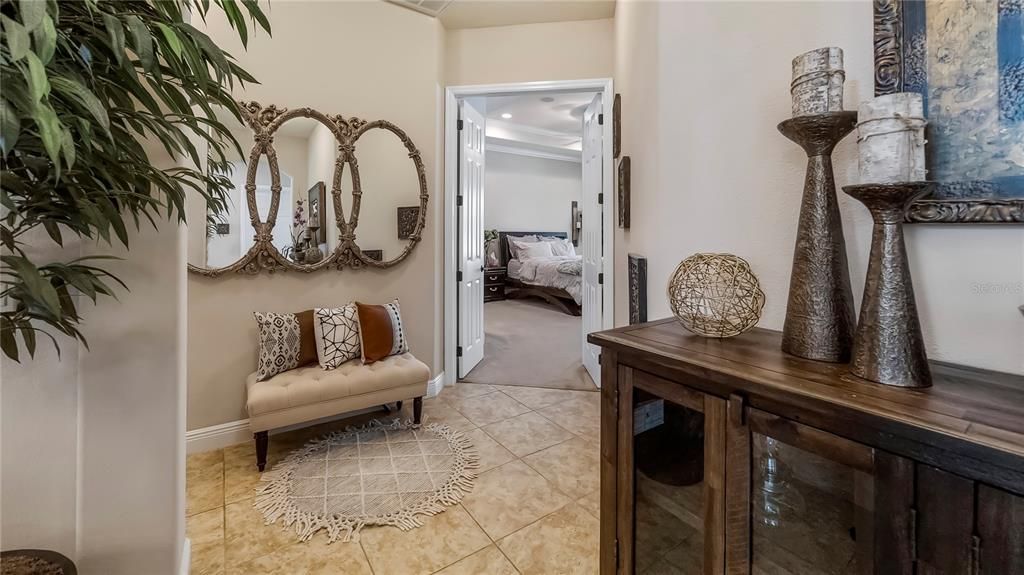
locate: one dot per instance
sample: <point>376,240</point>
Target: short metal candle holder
<point>819,314</point>
<point>888,346</point>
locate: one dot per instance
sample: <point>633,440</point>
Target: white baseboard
<point>186,557</point>
<point>434,386</point>
<point>235,432</point>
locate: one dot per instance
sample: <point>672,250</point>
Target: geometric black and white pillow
<point>279,343</point>
<point>337,335</point>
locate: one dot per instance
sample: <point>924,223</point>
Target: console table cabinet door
<point>815,503</point>
<point>1001,531</point>
<point>671,477</point>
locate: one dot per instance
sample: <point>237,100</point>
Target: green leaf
<point>50,131</point>
<point>142,40</point>
<point>54,231</point>
<point>35,74</point>
<point>67,146</point>
<point>7,342</point>
<point>32,13</point>
<point>45,38</point>
<point>10,126</point>
<point>116,33</point>
<point>40,289</point>
<point>69,86</point>
<point>29,335</point>
<point>17,39</point>
<point>171,37</point>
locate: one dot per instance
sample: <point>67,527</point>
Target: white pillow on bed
<point>561,247</point>
<point>514,241</point>
<point>530,250</point>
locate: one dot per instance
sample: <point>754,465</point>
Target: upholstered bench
<point>309,393</point>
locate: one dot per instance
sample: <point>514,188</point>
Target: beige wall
<point>530,52</point>
<point>93,460</point>
<point>703,86</point>
<point>384,62</point>
<point>526,193</point>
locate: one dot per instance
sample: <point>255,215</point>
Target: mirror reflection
<point>304,231</point>
<point>390,204</point>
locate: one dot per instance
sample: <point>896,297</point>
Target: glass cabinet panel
<point>668,447</point>
<point>810,515</point>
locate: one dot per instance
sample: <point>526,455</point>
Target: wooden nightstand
<point>494,284</point>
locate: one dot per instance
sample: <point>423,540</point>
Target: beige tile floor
<point>534,508</point>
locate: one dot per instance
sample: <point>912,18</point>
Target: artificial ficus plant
<point>83,84</point>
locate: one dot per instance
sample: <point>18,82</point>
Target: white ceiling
<point>455,14</point>
<point>552,122</point>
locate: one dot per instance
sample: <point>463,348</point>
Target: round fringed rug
<point>379,474</point>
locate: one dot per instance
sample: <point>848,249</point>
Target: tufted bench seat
<point>309,393</point>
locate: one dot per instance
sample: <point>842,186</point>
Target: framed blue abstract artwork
<point>966,58</point>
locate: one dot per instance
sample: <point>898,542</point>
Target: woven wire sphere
<point>715,295</point>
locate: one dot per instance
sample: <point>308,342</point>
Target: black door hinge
<point>458,351</point>
<point>600,198</point>
<point>600,278</point>
<point>458,275</point>
<point>458,200</point>
<point>600,119</point>
<point>458,125</point>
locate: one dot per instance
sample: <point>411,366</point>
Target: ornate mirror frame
<point>263,255</point>
<point>898,41</point>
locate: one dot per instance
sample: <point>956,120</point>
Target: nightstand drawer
<point>498,278</point>
<point>494,292</point>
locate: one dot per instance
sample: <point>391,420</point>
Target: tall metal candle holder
<point>888,347</point>
<point>819,314</point>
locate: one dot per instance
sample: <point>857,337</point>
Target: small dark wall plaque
<point>223,229</point>
<point>637,289</point>
<point>375,254</point>
<point>317,204</point>
<point>624,192</point>
<point>617,126</point>
<point>407,217</point>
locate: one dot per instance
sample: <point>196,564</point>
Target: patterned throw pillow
<point>337,335</point>
<point>280,343</point>
<point>380,331</point>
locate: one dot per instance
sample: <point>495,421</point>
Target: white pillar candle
<point>817,85</point>
<point>890,134</point>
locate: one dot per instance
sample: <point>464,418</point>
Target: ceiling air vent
<point>429,7</point>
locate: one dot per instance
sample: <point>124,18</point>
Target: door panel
<point>471,237</point>
<point>945,522</point>
<point>1001,529</point>
<point>802,501</point>
<point>593,240</point>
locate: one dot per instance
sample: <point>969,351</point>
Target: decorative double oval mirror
<point>299,195</point>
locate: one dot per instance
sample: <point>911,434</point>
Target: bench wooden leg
<point>398,406</point>
<point>262,442</point>
<point>417,410</point>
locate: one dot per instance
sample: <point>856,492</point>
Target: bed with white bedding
<point>553,273</point>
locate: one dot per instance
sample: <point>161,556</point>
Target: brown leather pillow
<point>380,331</point>
<point>307,338</point>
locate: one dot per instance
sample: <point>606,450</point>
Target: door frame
<point>451,114</point>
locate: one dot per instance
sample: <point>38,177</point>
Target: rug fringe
<point>272,497</point>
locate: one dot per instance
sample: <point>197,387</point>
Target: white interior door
<point>593,241</point>
<point>471,237</point>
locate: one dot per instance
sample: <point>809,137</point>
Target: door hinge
<point>458,351</point>
<point>458,200</point>
<point>913,534</point>
<point>458,276</point>
<point>600,278</point>
<point>600,198</point>
<point>975,555</point>
<point>600,119</point>
<point>458,125</point>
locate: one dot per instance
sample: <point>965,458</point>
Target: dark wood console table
<point>730,456</point>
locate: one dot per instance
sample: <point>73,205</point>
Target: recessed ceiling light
<point>547,99</point>
<point>507,116</point>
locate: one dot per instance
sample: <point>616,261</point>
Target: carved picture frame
<point>263,255</point>
<point>624,192</point>
<point>637,289</point>
<point>899,27</point>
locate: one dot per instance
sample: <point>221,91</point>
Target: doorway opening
<point>528,232</point>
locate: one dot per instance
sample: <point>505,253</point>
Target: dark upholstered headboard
<point>505,254</point>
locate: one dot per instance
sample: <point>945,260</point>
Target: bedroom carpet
<point>531,343</point>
